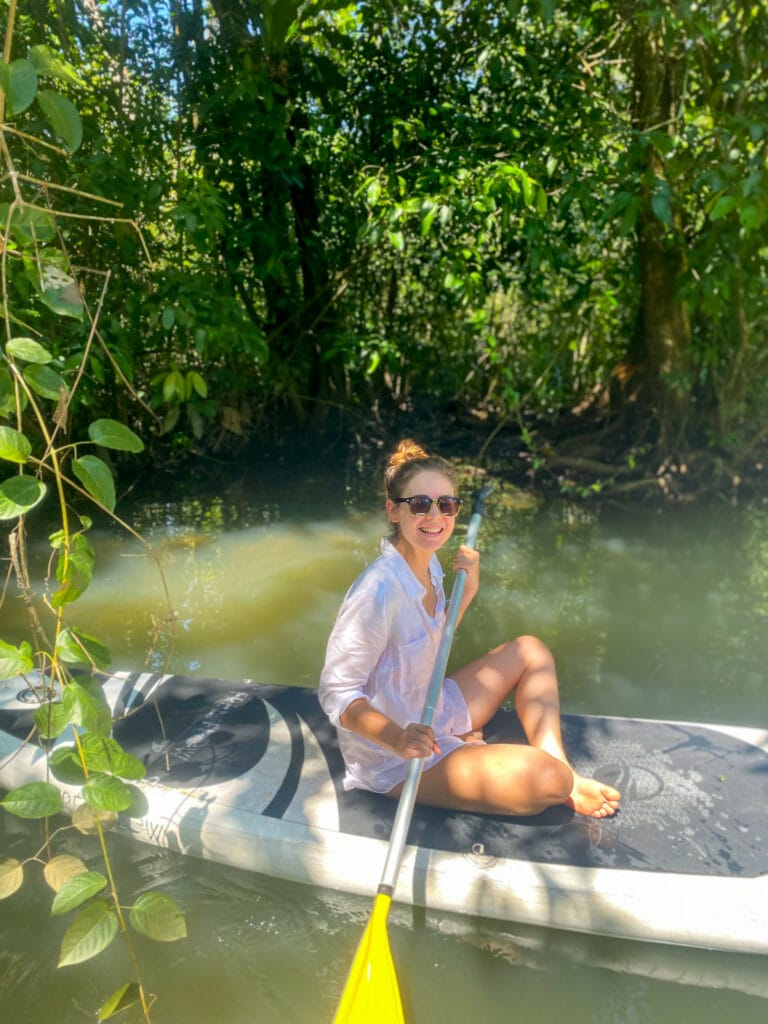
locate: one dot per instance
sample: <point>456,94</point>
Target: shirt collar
<point>403,571</point>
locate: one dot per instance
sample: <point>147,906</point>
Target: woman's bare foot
<point>593,798</point>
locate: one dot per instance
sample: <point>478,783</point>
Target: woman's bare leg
<point>526,668</point>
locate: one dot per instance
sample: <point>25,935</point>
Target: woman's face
<point>425,533</point>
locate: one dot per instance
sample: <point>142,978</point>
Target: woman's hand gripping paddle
<point>371,994</point>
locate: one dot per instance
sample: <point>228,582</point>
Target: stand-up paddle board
<point>250,776</point>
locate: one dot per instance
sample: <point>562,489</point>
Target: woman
<point>380,657</point>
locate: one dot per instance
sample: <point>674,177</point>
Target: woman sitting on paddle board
<point>380,657</point>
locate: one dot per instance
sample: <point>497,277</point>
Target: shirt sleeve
<point>356,643</point>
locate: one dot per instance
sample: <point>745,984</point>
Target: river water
<point>649,613</point>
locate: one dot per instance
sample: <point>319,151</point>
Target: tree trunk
<point>663,332</point>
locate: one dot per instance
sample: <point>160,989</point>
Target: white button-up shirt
<point>382,649</point>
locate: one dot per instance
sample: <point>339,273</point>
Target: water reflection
<point>659,615</point>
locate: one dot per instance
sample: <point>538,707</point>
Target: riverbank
<point>582,457</point>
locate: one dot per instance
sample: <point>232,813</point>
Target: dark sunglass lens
<point>448,506</point>
<point>420,504</point>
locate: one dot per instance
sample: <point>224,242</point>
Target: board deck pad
<point>251,776</point>
<point>693,800</point>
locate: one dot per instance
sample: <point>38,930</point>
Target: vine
<point>60,668</point>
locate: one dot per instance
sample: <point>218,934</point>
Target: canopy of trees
<point>551,213</point>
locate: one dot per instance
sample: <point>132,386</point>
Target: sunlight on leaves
<point>92,931</point>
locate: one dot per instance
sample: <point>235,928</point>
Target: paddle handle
<point>410,786</point>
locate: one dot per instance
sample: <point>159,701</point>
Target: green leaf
<point>660,206</point>
<point>74,569</point>
<point>120,1000</point>
<point>92,931</point>
<point>19,80</point>
<point>65,766</point>
<point>46,62</point>
<point>14,446</point>
<point>88,706</point>
<point>197,383</point>
<point>56,286</point>
<point>51,721</point>
<point>18,495</point>
<point>96,478</point>
<point>78,648</point>
<point>107,793</point>
<point>10,403</point>
<point>15,661</point>
<point>11,876</point>
<point>33,800</point>
<point>28,350</point>
<point>722,207</point>
<point>45,382</point>
<point>159,917</point>
<point>104,754</point>
<point>77,890</point>
<point>62,116</point>
<point>111,434</point>
<point>28,225</point>
<point>397,239</point>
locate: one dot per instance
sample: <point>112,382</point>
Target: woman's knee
<point>555,780</point>
<point>532,651</point>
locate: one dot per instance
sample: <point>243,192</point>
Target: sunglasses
<point>421,504</point>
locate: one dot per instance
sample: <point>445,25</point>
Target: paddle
<point>371,993</point>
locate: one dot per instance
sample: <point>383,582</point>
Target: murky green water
<point>649,614</point>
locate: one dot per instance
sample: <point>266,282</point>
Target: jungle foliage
<point>550,213</point>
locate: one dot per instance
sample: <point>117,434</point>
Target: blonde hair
<point>408,459</point>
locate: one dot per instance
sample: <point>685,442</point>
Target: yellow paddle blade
<point>371,995</point>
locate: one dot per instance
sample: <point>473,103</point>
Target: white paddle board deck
<point>250,776</point>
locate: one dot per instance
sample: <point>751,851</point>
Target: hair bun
<point>406,451</point>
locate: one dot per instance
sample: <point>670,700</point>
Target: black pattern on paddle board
<point>694,798</point>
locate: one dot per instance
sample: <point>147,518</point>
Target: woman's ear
<point>393,511</point>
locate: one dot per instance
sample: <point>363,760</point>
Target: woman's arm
<point>413,741</point>
<point>467,559</point>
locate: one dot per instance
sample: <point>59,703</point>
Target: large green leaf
<point>19,80</point>
<point>18,495</point>
<point>78,648</point>
<point>14,446</point>
<point>88,706</point>
<point>159,917</point>
<point>62,116</point>
<point>112,434</point>
<point>50,274</point>
<point>45,382</point>
<point>107,793</point>
<point>92,931</point>
<point>15,661</point>
<point>52,719</point>
<point>28,224</point>
<point>104,754</point>
<point>96,477</point>
<point>46,62</point>
<point>77,890</point>
<point>74,569</point>
<point>65,766</point>
<point>28,350</point>
<point>33,800</point>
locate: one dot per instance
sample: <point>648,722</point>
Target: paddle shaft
<point>410,786</point>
